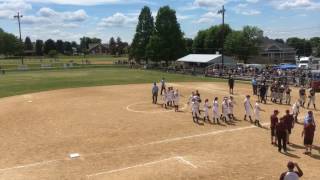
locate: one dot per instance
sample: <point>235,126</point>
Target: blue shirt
<point>254,82</point>
<point>155,90</point>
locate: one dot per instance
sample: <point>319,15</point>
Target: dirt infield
<point>120,134</point>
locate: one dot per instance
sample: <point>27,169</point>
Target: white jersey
<point>165,97</point>
<point>225,108</point>
<point>206,108</point>
<point>231,105</point>
<point>257,111</point>
<point>215,108</point>
<point>195,106</point>
<point>291,176</point>
<point>295,108</point>
<point>247,107</point>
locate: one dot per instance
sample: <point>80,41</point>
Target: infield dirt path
<point>119,134</point>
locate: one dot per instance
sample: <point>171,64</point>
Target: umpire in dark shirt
<point>231,84</point>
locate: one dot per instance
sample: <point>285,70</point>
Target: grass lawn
<point>35,62</point>
<point>15,83</point>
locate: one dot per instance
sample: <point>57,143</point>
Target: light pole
<point>19,16</point>
<point>222,11</point>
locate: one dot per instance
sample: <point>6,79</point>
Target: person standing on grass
<point>274,121</point>
<point>289,121</point>
<point>155,91</point>
<point>247,107</point>
<point>163,85</point>
<point>282,131</point>
<point>308,133</point>
<point>231,84</point>
<point>254,86</point>
<point>312,98</point>
<point>291,174</point>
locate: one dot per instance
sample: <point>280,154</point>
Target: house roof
<point>271,44</point>
<point>199,58</point>
<point>94,45</point>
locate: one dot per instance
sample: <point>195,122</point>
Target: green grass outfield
<point>16,83</point>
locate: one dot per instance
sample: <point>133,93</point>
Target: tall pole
<point>19,16</point>
<point>222,11</point>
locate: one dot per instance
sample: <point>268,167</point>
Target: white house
<point>204,60</point>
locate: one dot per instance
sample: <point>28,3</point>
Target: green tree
<point>28,44</point>
<point>9,44</point>
<point>67,48</point>
<point>198,43</point>
<point>188,45</point>
<point>60,47</point>
<point>171,44</point>
<point>302,46</point>
<point>112,46</point>
<point>39,47</point>
<point>142,36</point>
<point>49,45</point>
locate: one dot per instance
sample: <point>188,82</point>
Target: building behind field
<point>98,49</point>
<point>273,52</point>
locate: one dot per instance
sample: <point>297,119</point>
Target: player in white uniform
<point>206,107</point>
<point>296,110</point>
<point>176,99</point>
<point>195,111</point>
<point>225,109</point>
<point>231,104</point>
<point>215,110</point>
<point>247,107</point>
<point>257,110</point>
<point>165,98</point>
<point>170,96</point>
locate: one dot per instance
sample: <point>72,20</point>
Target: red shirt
<point>309,131</point>
<point>288,120</point>
<point>274,121</point>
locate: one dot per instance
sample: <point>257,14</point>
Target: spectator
<point>291,174</point>
<point>231,84</point>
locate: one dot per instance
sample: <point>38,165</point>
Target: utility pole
<point>19,16</point>
<point>222,11</point>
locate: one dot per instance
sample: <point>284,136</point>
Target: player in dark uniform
<point>289,121</point>
<point>274,121</point>
<point>282,131</point>
<point>308,133</point>
<point>231,84</point>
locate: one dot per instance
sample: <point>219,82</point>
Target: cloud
<point>9,8</point>
<point>118,20</point>
<point>244,10</point>
<point>78,16</point>
<point>296,4</point>
<point>209,4</point>
<point>88,2</point>
<point>208,17</point>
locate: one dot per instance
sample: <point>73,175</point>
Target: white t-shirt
<point>291,176</point>
<point>225,107</point>
<point>247,104</point>
<point>215,106</point>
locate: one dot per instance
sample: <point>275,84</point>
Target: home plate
<point>74,155</point>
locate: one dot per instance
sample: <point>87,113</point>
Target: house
<point>273,52</point>
<point>204,60</point>
<point>98,49</point>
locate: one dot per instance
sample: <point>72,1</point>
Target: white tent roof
<point>199,58</point>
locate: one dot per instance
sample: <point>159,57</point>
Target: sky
<point>72,19</point>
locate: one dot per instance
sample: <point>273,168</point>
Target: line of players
<point>227,109</point>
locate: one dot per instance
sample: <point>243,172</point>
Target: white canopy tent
<point>204,60</point>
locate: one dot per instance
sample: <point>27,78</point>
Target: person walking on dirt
<point>254,86</point>
<point>302,96</point>
<point>312,98</point>
<point>163,85</point>
<point>291,174</point>
<point>281,132</point>
<point>274,121</point>
<point>289,121</point>
<point>231,84</point>
<point>155,91</point>
<point>308,134</point>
